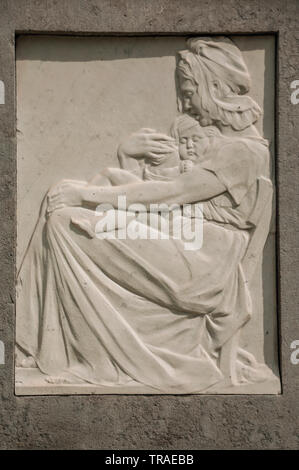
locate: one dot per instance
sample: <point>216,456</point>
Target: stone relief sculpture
<point>148,313</point>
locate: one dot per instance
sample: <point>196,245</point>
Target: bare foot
<point>28,362</point>
<point>57,380</point>
<point>250,370</point>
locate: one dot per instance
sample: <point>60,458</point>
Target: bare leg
<point>100,180</point>
<point>115,177</point>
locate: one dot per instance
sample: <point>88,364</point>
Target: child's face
<point>193,144</point>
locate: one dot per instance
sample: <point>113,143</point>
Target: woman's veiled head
<point>213,79</point>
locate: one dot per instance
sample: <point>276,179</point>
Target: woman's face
<point>192,101</point>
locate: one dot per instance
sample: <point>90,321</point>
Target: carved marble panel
<point>146,228</point>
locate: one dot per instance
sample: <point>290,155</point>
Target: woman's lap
<point>127,296</point>
<point>164,254</point>
<point>162,263</point>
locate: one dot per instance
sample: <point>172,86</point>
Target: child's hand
<point>187,166</point>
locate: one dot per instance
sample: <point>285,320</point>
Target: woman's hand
<point>145,143</point>
<point>66,193</point>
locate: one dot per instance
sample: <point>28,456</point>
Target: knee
<point>108,172</point>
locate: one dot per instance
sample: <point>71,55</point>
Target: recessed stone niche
<point>121,315</point>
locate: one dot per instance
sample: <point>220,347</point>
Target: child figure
<point>167,168</point>
<point>190,147</point>
<point>192,144</point>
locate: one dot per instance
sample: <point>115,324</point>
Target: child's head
<point>193,139</point>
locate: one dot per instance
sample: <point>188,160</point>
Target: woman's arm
<point>197,186</point>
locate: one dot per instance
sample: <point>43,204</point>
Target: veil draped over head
<point>217,68</point>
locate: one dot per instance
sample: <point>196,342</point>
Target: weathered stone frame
<point>138,421</point>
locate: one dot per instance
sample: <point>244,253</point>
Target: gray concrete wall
<point>136,422</point>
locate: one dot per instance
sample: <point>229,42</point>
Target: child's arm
<point>127,163</point>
